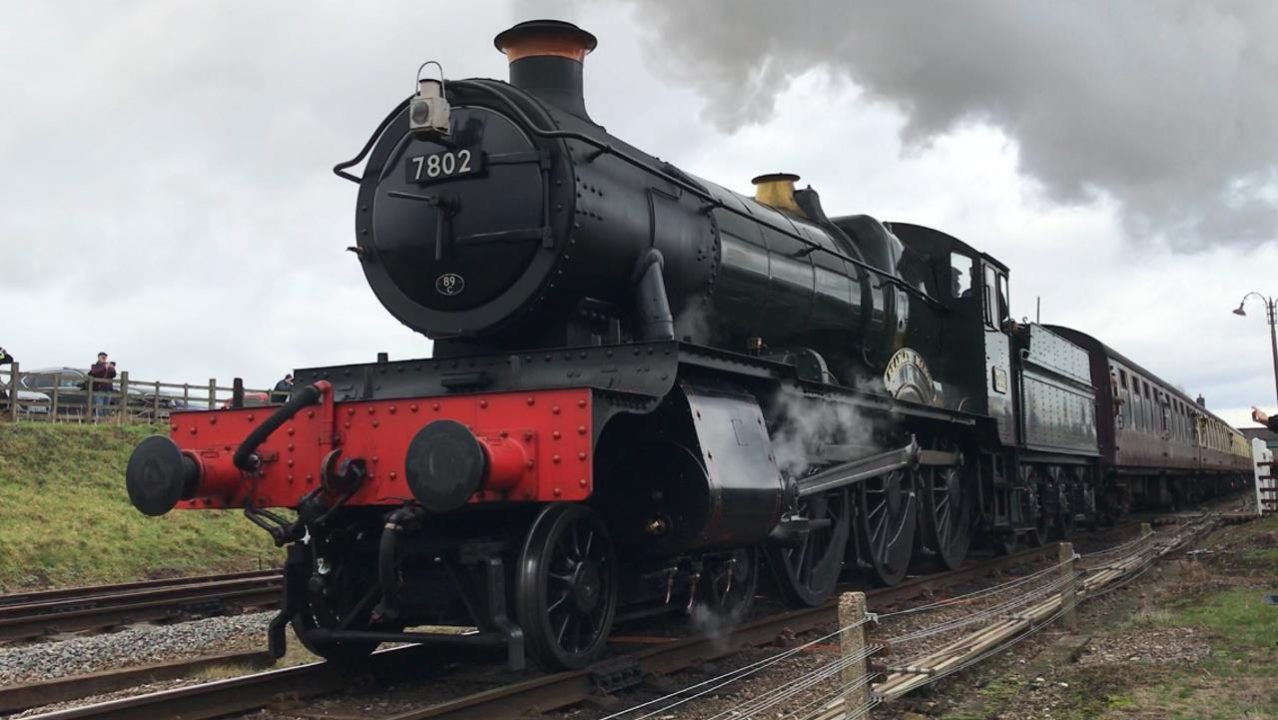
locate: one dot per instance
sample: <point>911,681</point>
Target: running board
<point>864,468</point>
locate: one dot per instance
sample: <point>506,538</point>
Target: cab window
<point>1004,312</point>
<point>960,275</point>
<point>990,302</point>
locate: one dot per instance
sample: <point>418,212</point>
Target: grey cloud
<point>1167,108</point>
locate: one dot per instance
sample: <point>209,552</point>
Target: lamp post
<point>1273,335</point>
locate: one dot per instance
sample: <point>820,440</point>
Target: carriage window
<point>1122,378</point>
<point>1146,386</point>
<point>960,275</point>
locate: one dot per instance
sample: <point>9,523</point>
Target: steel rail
<point>14,698</point>
<point>106,606</point>
<point>543,693</point>
<point>92,591</point>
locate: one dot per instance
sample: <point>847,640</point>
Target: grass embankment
<point>65,518</point>
<point>1195,640</point>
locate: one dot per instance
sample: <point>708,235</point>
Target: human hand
<point>1259,415</point>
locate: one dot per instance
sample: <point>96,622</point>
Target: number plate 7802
<point>444,165</point>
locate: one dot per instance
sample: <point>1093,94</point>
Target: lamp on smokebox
<point>428,110</point>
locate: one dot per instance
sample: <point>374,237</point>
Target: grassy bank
<point>65,518</point>
<point>1194,639</point>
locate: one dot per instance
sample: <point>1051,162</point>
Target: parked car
<point>29,402</point>
<point>251,399</point>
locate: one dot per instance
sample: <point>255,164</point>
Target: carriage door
<point>998,368</point>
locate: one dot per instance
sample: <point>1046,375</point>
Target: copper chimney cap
<point>539,38</point>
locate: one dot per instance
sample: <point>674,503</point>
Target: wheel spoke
<point>559,634</point>
<point>563,597</point>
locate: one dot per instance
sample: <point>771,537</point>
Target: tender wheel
<point>808,571</point>
<point>1040,519</point>
<point>945,515</point>
<point>566,589</point>
<point>1065,505</point>
<point>726,588</point>
<point>886,518</point>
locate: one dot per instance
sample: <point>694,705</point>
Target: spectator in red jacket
<point>103,371</point>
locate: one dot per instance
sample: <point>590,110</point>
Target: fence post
<point>212,393</point>
<point>90,406</point>
<point>57,386</point>
<point>124,396</point>
<point>155,403</point>
<point>852,644</point>
<point>1069,575</point>
<point>237,392</point>
<point>14,384</point>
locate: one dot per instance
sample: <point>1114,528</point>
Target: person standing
<point>6,358</point>
<point>103,371</point>
<point>283,389</point>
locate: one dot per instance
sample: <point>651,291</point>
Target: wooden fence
<point>64,396</point>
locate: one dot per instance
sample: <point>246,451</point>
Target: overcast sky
<point>166,192</point>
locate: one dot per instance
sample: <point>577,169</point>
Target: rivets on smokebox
<point>309,478</point>
<point>193,430</point>
<point>310,413</point>
<point>346,425</point>
<point>581,403</point>
<point>213,420</point>
<point>371,409</point>
<point>393,475</point>
<point>350,411</point>
<point>434,406</point>
<point>290,464</point>
<point>252,417</point>
<point>531,401</point>
<point>291,431</point>
<point>290,447</point>
<point>528,463</point>
<point>581,429</point>
<point>555,459</point>
<point>412,408</point>
<point>554,410</point>
<point>582,457</point>
<point>558,492</point>
<point>391,409</point>
<point>582,482</point>
<point>555,434</point>
<point>376,423</point>
<point>528,436</point>
<point>483,404</point>
<point>175,428</point>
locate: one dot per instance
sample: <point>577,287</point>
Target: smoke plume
<point>1167,109</point>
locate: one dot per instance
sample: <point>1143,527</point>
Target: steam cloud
<point>1167,109</point>
<point>807,426</point>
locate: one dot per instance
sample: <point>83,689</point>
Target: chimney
<point>1202,400</point>
<point>776,190</point>
<point>546,59</point>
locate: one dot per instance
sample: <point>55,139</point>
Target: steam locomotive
<point>648,392</point>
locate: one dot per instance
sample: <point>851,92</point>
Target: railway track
<point>32,615</point>
<point>657,656</point>
<point>640,658</point>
